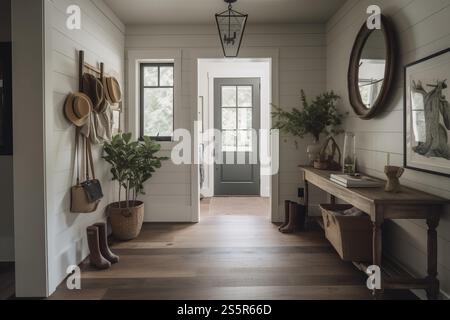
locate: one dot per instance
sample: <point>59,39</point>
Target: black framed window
<point>157,100</point>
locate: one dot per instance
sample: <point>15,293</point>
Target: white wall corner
<point>30,207</point>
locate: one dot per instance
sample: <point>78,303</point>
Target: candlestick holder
<point>394,174</point>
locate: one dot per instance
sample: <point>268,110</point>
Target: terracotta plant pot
<point>126,223</point>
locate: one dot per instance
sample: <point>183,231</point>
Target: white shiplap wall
<point>302,65</point>
<point>102,38</point>
<point>423,28</point>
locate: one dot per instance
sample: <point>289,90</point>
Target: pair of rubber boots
<point>101,256</point>
<point>294,218</point>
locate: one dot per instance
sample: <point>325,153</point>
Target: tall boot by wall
<point>287,206</point>
<point>104,247</point>
<point>294,219</point>
<point>96,258</point>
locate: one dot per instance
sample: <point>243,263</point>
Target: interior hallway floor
<point>234,253</point>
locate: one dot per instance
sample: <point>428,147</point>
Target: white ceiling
<point>202,11</point>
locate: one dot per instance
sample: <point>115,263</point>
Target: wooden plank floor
<point>234,253</point>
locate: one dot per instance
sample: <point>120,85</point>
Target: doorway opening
<point>235,97</point>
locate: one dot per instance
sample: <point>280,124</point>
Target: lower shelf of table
<point>393,276</point>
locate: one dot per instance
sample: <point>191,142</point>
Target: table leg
<point>307,198</point>
<point>308,221</point>
<point>332,199</point>
<point>377,251</point>
<point>433,290</point>
<point>377,243</point>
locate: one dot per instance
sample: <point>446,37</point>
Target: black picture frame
<point>406,115</point>
<point>6,118</point>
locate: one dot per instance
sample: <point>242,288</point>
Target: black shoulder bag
<point>92,187</point>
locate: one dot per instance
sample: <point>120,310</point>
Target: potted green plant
<point>132,164</point>
<point>318,117</point>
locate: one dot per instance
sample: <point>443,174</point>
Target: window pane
<point>166,77</point>
<point>158,112</point>
<point>229,119</point>
<point>245,95</point>
<point>245,139</point>
<point>229,97</point>
<point>151,76</point>
<point>229,141</point>
<point>245,118</point>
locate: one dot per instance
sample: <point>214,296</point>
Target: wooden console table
<point>381,206</point>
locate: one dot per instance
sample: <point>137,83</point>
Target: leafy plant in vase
<point>318,117</point>
<point>132,164</point>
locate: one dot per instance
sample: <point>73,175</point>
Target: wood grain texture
<point>382,206</point>
<point>408,204</point>
<point>230,254</point>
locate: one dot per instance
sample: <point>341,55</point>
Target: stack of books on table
<point>356,181</point>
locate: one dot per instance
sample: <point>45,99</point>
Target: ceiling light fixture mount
<point>231,25</point>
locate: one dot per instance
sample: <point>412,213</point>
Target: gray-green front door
<point>237,116</point>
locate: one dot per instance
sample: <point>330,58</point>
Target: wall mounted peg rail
<point>85,67</point>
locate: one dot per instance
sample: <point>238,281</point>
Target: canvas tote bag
<point>80,199</point>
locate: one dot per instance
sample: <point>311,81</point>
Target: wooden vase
<point>393,173</point>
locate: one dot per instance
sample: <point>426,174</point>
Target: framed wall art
<point>427,114</point>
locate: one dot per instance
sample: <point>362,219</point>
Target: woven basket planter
<point>126,223</point>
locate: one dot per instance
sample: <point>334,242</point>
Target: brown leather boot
<point>104,247</point>
<point>294,223</point>
<point>96,258</point>
<point>287,205</point>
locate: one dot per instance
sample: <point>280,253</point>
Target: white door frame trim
<point>132,112</point>
<point>246,53</point>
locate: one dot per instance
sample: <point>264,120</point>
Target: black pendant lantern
<point>231,26</point>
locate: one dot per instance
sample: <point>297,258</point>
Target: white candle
<point>388,159</point>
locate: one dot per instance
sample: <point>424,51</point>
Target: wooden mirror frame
<point>353,74</point>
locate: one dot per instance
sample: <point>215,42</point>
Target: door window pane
<point>245,118</point>
<point>245,139</point>
<point>229,96</point>
<point>229,119</point>
<point>245,97</point>
<point>158,112</point>
<point>166,77</point>
<point>229,141</point>
<point>151,76</point>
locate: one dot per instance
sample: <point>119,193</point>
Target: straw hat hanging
<point>77,108</point>
<point>94,89</point>
<point>113,92</point>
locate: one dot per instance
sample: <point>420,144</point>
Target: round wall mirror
<point>371,70</point>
